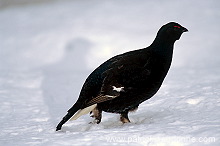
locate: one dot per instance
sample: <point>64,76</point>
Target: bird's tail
<point>70,113</point>
<point>73,115</point>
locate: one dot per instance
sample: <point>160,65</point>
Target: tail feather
<point>83,112</point>
<point>70,113</point>
<point>72,116</point>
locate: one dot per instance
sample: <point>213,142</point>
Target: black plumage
<point>121,83</point>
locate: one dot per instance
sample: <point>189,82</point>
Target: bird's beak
<point>184,29</point>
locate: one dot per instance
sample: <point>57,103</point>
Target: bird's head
<point>171,31</point>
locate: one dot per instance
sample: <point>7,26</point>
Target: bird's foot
<point>124,118</point>
<point>95,121</point>
<point>97,114</point>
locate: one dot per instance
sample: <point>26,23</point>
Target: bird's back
<point>92,86</point>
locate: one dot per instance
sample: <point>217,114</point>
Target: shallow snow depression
<point>48,49</point>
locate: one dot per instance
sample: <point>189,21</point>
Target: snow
<point>48,49</point>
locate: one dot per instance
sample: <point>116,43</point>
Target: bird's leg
<point>97,114</point>
<point>124,117</point>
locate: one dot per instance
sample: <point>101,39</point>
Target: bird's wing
<point>120,77</point>
<point>99,99</point>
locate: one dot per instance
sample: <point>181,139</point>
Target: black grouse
<point>123,82</point>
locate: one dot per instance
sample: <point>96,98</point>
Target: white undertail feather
<point>83,112</point>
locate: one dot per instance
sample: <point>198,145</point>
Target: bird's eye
<point>177,26</point>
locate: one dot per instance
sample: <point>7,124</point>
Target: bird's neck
<point>163,47</point>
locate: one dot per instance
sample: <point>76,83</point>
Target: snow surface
<point>48,49</point>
